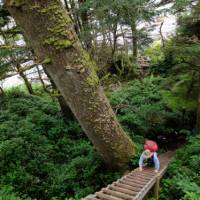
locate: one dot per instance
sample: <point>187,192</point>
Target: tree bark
<point>1,91</point>
<point>161,35</point>
<point>76,20</point>
<point>25,79</point>
<point>114,40</point>
<point>198,116</point>
<point>66,111</point>
<point>26,82</point>
<point>134,41</point>
<point>71,15</point>
<point>87,37</point>
<point>41,80</point>
<point>50,32</point>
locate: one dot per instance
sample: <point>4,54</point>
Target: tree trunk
<point>25,79</point>
<point>76,20</point>
<point>69,10</point>
<point>26,82</point>
<point>198,115</point>
<point>1,91</point>
<point>66,111</point>
<point>50,32</point>
<point>134,41</point>
<point>161,35</point>
<point>87,37</point>
<point>114,40</point>
<point>41,80</point>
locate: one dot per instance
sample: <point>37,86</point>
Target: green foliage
<point>123,66</point>
<point>183,177</point>
<point>44,158</point>
<point>12,55</point>
<point>155,53</point>
<point>181,53</point>
<point>161,60</point>
<point>41,155</point>
<point>180,65</point>
<point>191,196</point>
<point>183,93</point>
<point>47,60</point>
<point>6,193</point>
<point>4,16</point>
<point>107,16</point>
<point>182,6</point>
<point>140,107</point>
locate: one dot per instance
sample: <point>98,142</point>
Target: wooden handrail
<point>136,184</point>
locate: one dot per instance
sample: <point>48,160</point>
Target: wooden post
<point>156,188</point>
<point>147,196</point>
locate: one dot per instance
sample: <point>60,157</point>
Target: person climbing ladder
<point>149,156</point>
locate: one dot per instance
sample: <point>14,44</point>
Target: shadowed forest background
<point>151,81</point>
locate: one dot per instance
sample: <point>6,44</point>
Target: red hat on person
<point>151,146</point>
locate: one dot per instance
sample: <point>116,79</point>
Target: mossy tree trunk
<point>50,32</point>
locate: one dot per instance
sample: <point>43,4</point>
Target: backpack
<point>151,146</point>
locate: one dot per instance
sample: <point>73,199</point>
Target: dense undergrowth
<point>42,157</point>
<point>183,177</point>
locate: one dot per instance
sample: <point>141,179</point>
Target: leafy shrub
<point>140,107</point>
<point>6,193</point>
<point>46,158</point>
<point>191,196</point>
<point>183,180</point>
<point>41,155</point>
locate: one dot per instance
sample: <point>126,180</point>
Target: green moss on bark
<point>16,3</point>
<point>58,34</point>
<point>58,43</point>
<point>92,78</point>
<point>47,60</point>
<point>120,156</point>
<point>50,8</point>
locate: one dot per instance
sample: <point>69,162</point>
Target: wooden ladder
<point>135,185</point>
